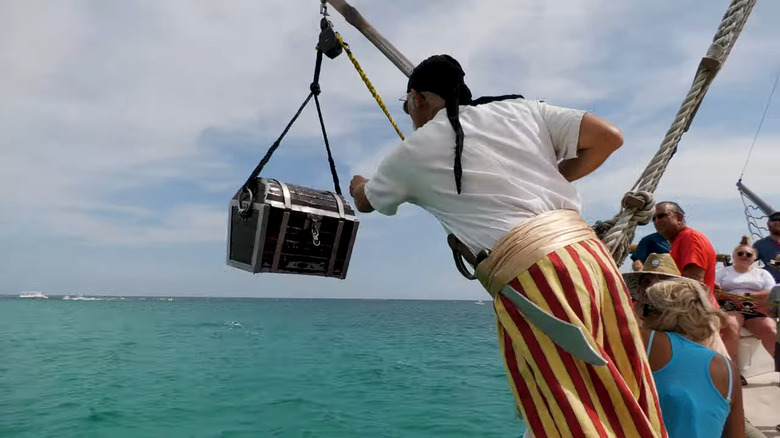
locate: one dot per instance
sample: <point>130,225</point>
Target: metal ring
<point>242,210</point>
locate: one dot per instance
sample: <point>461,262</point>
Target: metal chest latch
<point>315,228</point>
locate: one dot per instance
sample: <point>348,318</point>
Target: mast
<point>354,18</point>
<point>763,206</point>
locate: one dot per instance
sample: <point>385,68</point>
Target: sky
<point>126,127</point>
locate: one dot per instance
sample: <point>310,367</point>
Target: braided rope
<point>369,85</point>
<point>637,205</point>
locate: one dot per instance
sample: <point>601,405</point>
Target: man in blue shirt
<point>652,243</point>
<point>769,247</point>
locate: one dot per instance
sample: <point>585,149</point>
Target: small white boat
<point>33,294</point>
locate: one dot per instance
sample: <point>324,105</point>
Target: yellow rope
<point>368,84</point>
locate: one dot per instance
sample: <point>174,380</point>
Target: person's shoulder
<point>766,275</point>
<point>539,106</point>
<point>763,239</point>
<point>436,129</point>
<point>720,368</point>
<point>647,239</point>
<point>686,235</point>
<point>413,150</point>
<point>724,271</point>
<point>695,232</point>
<point>701,237</point>
<point>516,107</point>
<point>488,103</point>
<point>657,238</point>
<point>766,243</point>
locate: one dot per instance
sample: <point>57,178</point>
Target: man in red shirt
<point>691,250</point>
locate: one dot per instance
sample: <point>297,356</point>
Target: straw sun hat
<point>659,264</point>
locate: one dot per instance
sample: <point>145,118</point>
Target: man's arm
<point>694,271</point>
<point>598,139</point>
<point>639,254</point>
<point>357,188</point>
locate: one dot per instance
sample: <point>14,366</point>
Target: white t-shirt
<point>753,280</point>
<point>511,151</point>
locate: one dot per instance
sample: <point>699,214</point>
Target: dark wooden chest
<point>290,229</point>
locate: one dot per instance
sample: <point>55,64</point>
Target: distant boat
<point>480,303</point>
<point>33,294</point>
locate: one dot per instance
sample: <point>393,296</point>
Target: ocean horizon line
<point>238,297</point>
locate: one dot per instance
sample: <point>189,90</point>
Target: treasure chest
<point>285,228</point>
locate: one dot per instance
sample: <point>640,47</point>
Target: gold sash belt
<point>527,243</point>
<point>520,249</point>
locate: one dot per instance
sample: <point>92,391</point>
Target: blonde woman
<point>746,299</point>
<point>697,387</point>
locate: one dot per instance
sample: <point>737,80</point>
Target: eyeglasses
<point>747,254</point>
<point>660,216</point>
<point>405,99</point>
<point>774,219</point>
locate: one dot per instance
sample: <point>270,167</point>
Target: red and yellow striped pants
<point>558,394</point>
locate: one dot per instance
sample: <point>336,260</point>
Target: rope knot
<point>641,203</point>
<point>315,88</point>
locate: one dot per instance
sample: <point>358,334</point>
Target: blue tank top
<point>691,405</point>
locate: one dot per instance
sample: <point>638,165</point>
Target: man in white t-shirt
<point>496,173</point>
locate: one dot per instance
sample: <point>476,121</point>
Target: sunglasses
<point>774,219</point>
<point>660,216</point>
<point>405,100</point>
<point>745,254</point>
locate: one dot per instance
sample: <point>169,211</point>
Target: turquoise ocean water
<point>251,368</point>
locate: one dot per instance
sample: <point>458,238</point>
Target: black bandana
<point>443,75</point>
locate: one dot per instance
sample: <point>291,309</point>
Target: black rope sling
<point>314,91</point>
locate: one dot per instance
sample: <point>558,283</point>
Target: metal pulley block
<point>328,43</point>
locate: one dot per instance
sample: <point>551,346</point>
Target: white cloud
<point>105,99</point>
<point>705,168</point>
<point>184,224</point>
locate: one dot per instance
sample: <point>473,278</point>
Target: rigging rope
<point>247,195</point>
<point>637,205</point>
<point>766,108</point>
<point>368,84</point>
<point>752,221</point>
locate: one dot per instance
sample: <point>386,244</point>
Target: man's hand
<point>357,190</point>
<point>357,181</point>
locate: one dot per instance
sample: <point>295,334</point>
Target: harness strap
<point>314,91</point>
<point>650,343</point>
<point>728,365</point>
